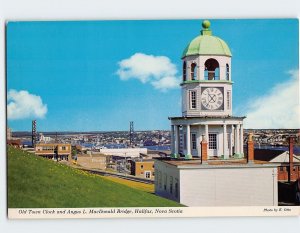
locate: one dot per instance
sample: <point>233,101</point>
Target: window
<point>281,169</point>
<point>48,148</point>
<point>227,72</point>
<point>159,179</point>
<point>194,141</point>
<point>63,148</point>
<point>193,71</point>
<point>228,100</point>
<point>294,168</point>
<point>142,166</point>
<point>184,71</point>
<point>176,188</point>
<point>171,184</point>
<point>211,69</point>
<point>212,141</point>
<point>147,175</point>
<point>165,181</point>
<point>193,103</point>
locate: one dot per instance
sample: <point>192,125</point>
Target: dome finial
<point>206,24</point>
<point>206,28</point>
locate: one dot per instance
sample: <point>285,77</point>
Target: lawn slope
<point>34,182</point>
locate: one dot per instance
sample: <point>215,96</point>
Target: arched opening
<point>227,72</point>
<point>193,71</point>
<point>211,70</point>
<point>184,71</point>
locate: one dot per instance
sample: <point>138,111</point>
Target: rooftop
<point>214,163</point>
<point>206,44</point>
<point>274,156</point>
<point>207,117</point>
<point>92,155</point>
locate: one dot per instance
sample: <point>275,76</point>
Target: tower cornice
<point>207,81</point>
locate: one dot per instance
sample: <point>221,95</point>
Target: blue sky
<point>69,71</point>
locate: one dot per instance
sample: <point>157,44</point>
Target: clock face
<point>212,98</point>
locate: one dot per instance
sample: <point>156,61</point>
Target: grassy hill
<point>34,182</point>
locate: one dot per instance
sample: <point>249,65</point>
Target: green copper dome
<point>206,44</point>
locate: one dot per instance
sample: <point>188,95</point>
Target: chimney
<point>204,150</point>
<point>250,149</point>
<point>291,162</point>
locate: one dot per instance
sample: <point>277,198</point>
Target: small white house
<point>232,184</point>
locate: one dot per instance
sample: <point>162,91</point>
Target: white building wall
<point>184,100</point>
<point>162,169</point>
<point>125,152</point>
<point>187,111</point>
<point>249,186</point>
<point>200,61</point>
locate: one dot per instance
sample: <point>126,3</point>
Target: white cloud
<point>165,83</point>
<point>159,71</point>
<point>280,108</point>
<point>22,104</point>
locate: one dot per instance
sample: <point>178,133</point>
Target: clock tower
<point>207,101</point>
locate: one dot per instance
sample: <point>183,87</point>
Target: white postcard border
<point>153,212</point>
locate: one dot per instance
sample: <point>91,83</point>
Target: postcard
<point>153,118</point>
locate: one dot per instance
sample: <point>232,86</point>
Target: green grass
<point>34,182</point>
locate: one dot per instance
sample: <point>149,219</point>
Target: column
<point>235,140</point>
<point>176,140</point>
<point>206,132</point>
<point>172,140</point>
<point>242,140</point>
<point>206,139</point>
<point>238,151</point>
<point>188,140</point>
<point>231,140</point>
<point>225,142</point>
<point>199,139</point>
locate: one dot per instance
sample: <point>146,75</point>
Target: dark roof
<point>14,142</point>
<point>266,154</point>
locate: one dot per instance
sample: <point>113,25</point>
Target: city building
<point>44,139</point>
<point>8,133</point>
<point>93,161</point>
<point>14,142</point>
<point>143,168</point>
<point>209,167</point>
<point>124,152</point>
<point>288,162</point>
<point>55,151</point>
